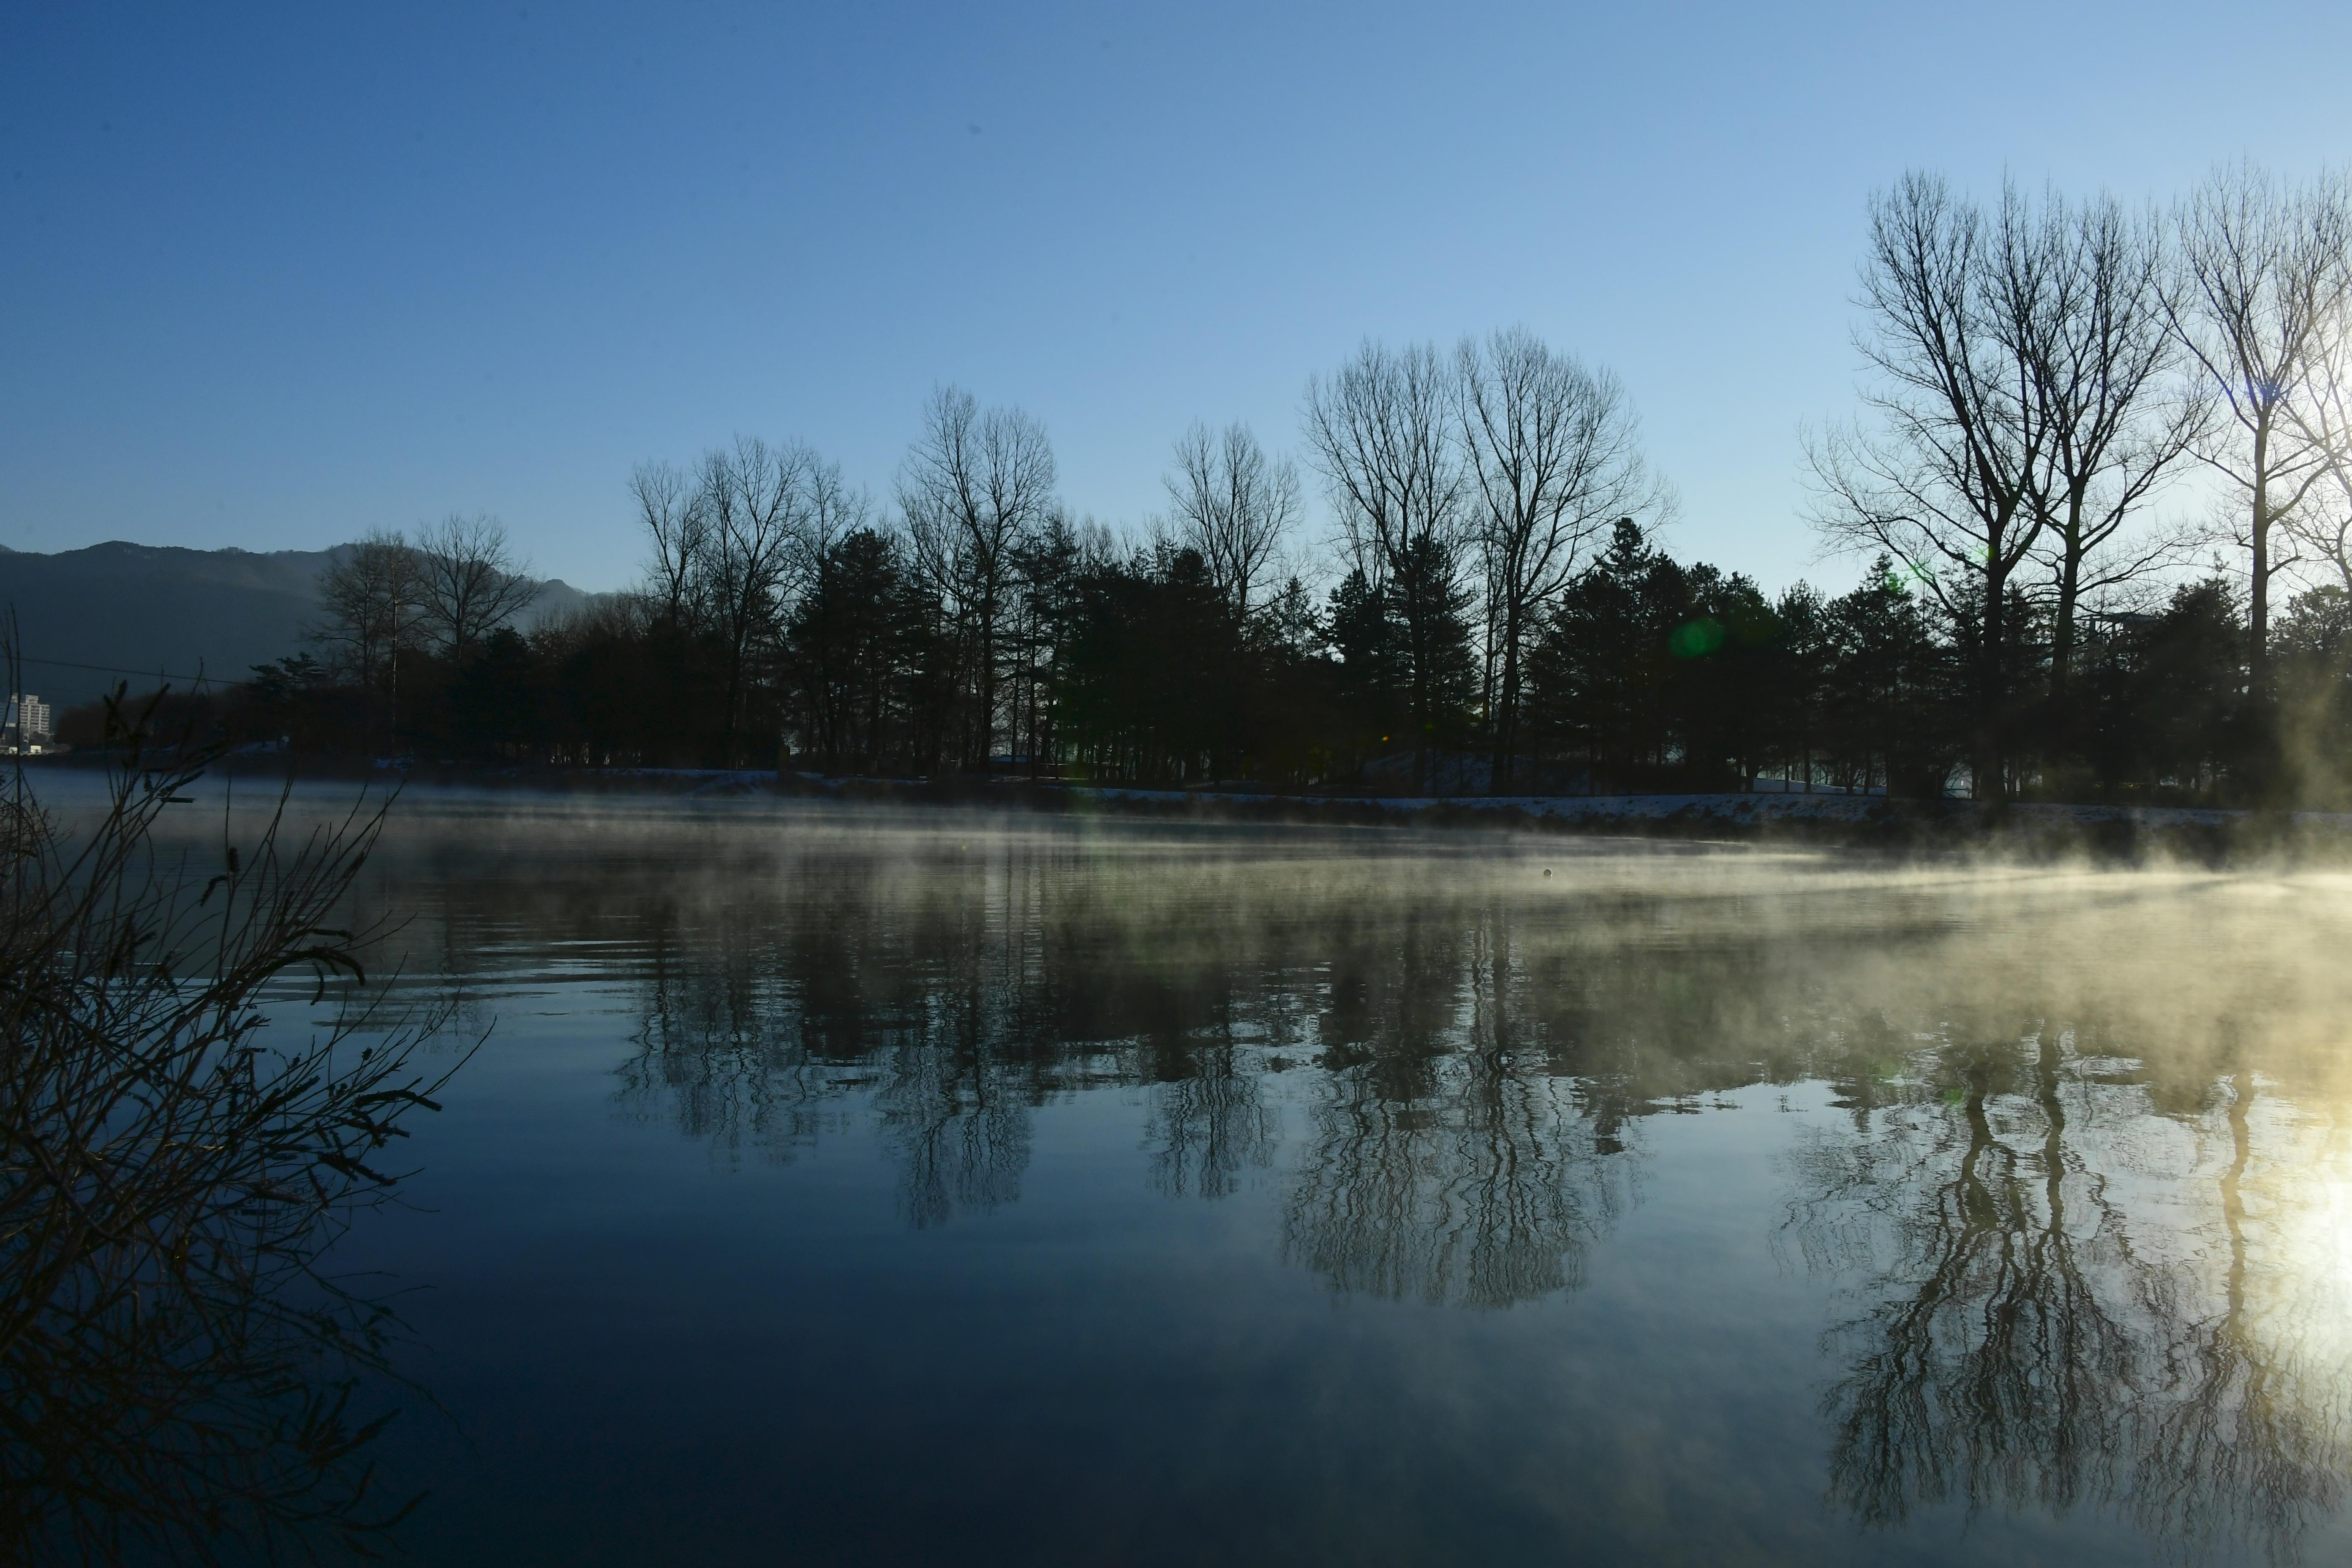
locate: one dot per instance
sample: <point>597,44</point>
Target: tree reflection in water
<point>1447,1159</point>
<point>2070,1298</point>
<point>2253,1437</point>
<point>2069,1184</point>
<point>1452,1155</point>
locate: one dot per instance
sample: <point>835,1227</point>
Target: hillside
<point>139,610</point>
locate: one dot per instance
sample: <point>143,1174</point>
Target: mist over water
<point>920,1186</point>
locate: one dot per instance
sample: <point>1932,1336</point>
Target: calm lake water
<point>904,1187</point>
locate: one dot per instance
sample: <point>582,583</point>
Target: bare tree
<point>670,506</point>
<point>1553,459</point>
<point>469,582</point>
<point>2103,358</point>
<point>373,597</point>
<point>975,487</point>
<point>756,500</point>
<point>184,1374</point>
<point>370,596</point>
<point>1381,431</point>
<point>1948,481</point>
<point>832,511</point>
<point>2265,278</point>
<point>1234,504</point>
<point>2322,527</point>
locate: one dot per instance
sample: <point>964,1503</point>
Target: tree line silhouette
<point>2043,611</point>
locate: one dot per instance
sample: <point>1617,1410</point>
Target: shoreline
<point>2025,829</point>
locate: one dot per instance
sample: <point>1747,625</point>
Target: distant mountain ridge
<point>161,609</point>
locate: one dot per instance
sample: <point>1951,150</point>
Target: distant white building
<point>25,722</point>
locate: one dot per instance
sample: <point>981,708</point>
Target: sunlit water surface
<point>931,1188</point>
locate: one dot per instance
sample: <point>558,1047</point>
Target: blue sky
<point>274,277</point>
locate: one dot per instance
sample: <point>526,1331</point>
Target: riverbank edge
<point>2031,830</point>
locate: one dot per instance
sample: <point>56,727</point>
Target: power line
<point>108,668</point>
